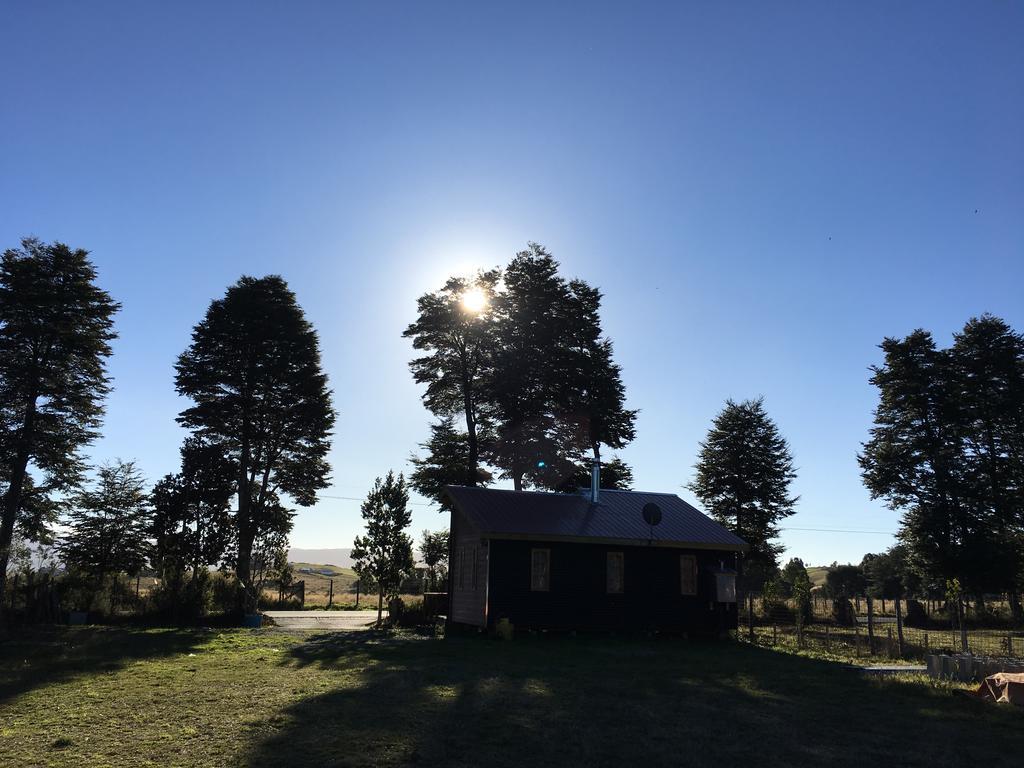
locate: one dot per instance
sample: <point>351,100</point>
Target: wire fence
<point>872,632</point>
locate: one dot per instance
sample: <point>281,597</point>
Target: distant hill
<point>817,574</point>
<point>339,557</point>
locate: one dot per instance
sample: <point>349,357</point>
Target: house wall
<point>578,597</point>
<point>467,573</point>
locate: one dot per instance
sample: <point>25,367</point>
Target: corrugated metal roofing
<point>618,516</point>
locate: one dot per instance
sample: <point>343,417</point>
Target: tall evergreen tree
<point>455,327</point>
<point>55,331</point>
<point>593,399</point>
<point>915,458</point>
<point>616,475</point>
<point>743,474</point>
<point>253,370</point>
<point>988,373</point>
<point>108,524</point>
<point>384,554</point>
<point>445,462</point>
<point>528,377</point>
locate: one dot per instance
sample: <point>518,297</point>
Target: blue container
<point>252,621</point>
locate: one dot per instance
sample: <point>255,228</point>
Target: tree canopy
<point>743,473</point>
<point>384,553</point>
<point>260,395</point>
<point>56,326</point>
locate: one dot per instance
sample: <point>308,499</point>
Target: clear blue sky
<point>763,193</point>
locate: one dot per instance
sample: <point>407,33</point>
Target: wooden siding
<point>578,594</point>
<point>467,573</point>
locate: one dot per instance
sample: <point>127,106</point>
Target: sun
<point>474,301</point>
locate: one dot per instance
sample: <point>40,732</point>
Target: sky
<point>763,192</point>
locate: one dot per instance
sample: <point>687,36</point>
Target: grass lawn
<point>115,697</point>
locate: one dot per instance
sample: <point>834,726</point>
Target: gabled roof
<point>616,518</point>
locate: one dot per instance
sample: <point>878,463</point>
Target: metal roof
<point>617,517</point>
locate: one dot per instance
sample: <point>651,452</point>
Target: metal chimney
<point>595,482</point>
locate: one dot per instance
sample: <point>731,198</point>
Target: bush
<point>843,613</point>
<point>183,601</point>
<point>224,593</point>
<point>916,616</point>
<point>409,616</point>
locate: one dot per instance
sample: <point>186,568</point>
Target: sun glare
<point>474,300</point>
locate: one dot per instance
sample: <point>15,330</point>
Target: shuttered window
<point>614,573</point>
<point>687,575</point>
<point>540,570</point>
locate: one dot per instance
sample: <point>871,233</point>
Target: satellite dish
<point>652,513</point>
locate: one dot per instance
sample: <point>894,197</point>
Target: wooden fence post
<point>357,594</point>
<point>856,639</point>
<point>750,616</point>
<point>302,593</point>
<point>899,625</point>
<point>871,627</point>
<point>330,595</point>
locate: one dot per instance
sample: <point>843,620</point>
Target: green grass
<point>116,697</point>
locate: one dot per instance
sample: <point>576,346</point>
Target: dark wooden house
<point>609,560</point>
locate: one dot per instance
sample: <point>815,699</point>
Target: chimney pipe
<point>595,482</point>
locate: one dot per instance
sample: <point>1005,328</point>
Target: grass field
<point>116,697</point>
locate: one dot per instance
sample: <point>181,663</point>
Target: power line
<point>354,498</point>
<point>838,530</point>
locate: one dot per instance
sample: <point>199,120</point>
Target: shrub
<point>916,616</point>
<point>843,613</point>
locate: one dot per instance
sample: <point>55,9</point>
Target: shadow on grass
<point>38,656</point>
<point>399,700</point>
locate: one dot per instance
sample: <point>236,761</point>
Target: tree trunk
<point>12,499</point>
<point>517,481</point>
<point>380,604</point>
<point>470,411</point>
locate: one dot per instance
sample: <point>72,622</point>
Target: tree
<point>108,524</point>
<point>384,554</point>
<point>434,551</point>
<point>743,474</point>
<point>616,475</point>
<point>793,570</point>
<point>448,455</point>
<point>55,332</point>
<point>845,581</point>
<point>253,370</point>
<point>988,375</point>
<point>594,395</point>
<point>270,561</point>
<point>915,459</point>
<point>554,388</point>
<point>191,524</point>
<point>457,332</point>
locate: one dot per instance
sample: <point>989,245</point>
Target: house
<point>598,559</point>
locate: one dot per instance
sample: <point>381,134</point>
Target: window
<point>540,570</point>
<point>687,575</point>
<point>614,573</point>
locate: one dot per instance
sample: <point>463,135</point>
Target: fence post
<point>302,593</point>
<point>899,625</point>
<point>856,639</point>
<point>871,627</point>
<point>357,594</point>
<point>964,646</point>
<point>828,639</point>
<point>330,595</point>
<point>750,616</point>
